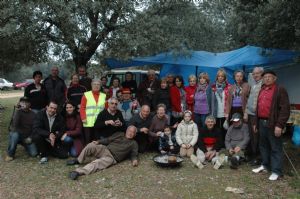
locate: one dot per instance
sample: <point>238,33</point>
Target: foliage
<point>80,30</point>
<point>166,25</point>
<point>266,23</point>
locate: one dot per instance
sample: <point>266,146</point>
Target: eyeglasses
<point>114,103</point>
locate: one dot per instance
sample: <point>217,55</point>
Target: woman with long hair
<point>178,99</point>
<point>73,135</point>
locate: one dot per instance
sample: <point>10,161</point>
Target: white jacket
<point>187,133</point>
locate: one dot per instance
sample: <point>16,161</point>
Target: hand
<point>254,129</point>
<point>144,130</point>
<point>184,146</point>
<point>95,142</point>
<point>52,138</point>
<point>158,133</point>
<point>278,131</point>
<point>231,151</point>
<point>210,155</point>
<point>84,121</point>
<point>63,137</point>
<point>171,147</point>
<point>163,152</point>
<point>188,146</point>
<point>237,149</point>
<point>109,122</point>
<point>134,163</point>
<point>118,123</point>
<point>175,125</point>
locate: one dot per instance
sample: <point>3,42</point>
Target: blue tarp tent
<point>197,61</point>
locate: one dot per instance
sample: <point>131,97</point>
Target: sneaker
<point>259,169</point>
<point>234,163</point>
<point>72,162</point>
<point>219,162</point>
<point>274,177</point>
<point>43,160</point>
<point>8,158</point>
<point>196,161</point>
<point>74,175</point>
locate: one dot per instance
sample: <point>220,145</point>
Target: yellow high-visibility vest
<point>92,108</point>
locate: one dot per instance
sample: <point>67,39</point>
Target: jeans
<point>16,138</point>
<point>200,119</point>
<point>72,151</point>
<point>270,148</point>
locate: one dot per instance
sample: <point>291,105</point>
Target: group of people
<point>218,123</point>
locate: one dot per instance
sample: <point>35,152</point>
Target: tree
<point>18,43</point>
<point>80,27</point>
<point>167,25</point>
<point>265,23</point>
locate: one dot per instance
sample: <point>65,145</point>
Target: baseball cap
<point>236,117</point>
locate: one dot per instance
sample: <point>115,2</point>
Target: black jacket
<point>162,96</point>
<point>41,125</point>
<point>56,89</point>
<point>208,135</point>
<point>37,98</point>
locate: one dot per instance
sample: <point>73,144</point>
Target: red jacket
<point>175,99</point>
<point>74,130</point>
<point>190,92</point>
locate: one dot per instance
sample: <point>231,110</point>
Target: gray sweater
<point>237,137</point>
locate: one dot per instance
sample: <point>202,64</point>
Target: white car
<point>4,84</point>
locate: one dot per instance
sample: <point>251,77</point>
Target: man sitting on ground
<point>107,152</point>
<point>142,122</point>
<point>21,130</point>
<point>209,143</point>
<point>109,120</point>
<point>48,129</point>
<point>236,140</point>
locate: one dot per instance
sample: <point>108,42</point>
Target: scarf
<point>201,87</point>
<point>237,91</point>
<point>220,88</point>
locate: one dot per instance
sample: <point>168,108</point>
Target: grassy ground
<point>25,178</point>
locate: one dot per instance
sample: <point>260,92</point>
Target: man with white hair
<point>250,113</point>
<point>147,89</point>
<point>109,121</point>
<point>92,103</point>
<point>106,152</point>
<point>273,111</point>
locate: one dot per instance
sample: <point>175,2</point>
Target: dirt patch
<point>5,95</point>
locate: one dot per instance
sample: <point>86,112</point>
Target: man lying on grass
<point>106,152</point>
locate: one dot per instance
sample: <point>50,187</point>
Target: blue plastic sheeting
<point>199,61</point>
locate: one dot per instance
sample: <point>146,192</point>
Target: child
<point>187,134</point>
<point>166,141</point>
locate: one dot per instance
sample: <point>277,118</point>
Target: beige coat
<point>187,133</point>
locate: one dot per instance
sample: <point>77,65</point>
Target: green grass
<point>26,178</point>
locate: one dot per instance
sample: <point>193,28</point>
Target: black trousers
<point>143,141</point>
<point>219,124</point>
<point>45,149</point>
<point>89,135</point>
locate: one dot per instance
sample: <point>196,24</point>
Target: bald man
<point>107,152</point>
<point>56,88</point>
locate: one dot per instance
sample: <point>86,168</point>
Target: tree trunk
<point>80,60</point>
